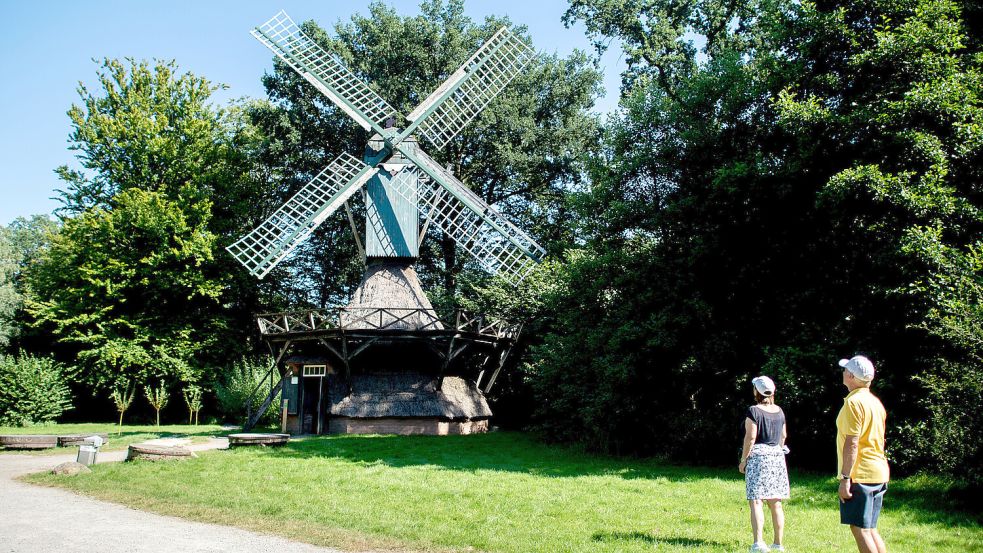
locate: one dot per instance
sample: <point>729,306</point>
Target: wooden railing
<point>381,318</point>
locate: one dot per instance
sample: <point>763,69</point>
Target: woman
<point>763,462</point>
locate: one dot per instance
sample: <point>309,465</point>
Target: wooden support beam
<point>269,372</point>
<point>501,363</point>
<point>358,241</point>
<point>363,347</point>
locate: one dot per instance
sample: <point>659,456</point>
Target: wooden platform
<point>264,440</point>
<point>68,440</point>
<point>28,441</point>
<point>146,452</point>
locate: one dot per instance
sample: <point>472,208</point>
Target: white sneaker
<point>759,547</point>
<point>776,547</point>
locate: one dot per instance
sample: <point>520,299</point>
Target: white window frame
<point>315,370</point>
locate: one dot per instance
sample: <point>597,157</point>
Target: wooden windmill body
<point>387,363</point>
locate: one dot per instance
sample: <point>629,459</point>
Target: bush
<point>32,390</point>
<point>232,392</point>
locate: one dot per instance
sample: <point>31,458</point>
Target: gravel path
<point>38,519</point>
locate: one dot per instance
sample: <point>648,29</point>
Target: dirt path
<point>38,519</point>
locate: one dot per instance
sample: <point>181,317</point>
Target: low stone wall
<point>345,425</point>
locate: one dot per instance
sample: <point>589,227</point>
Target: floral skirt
<point>766,476</point>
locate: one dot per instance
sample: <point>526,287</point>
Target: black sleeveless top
<point>769,425</point>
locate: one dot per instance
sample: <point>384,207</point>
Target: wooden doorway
<point>315,402</point>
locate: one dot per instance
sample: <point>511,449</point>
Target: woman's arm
<point>781,443</point>
<point>750,433</point>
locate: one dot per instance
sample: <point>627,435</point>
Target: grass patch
<point>131,434</point>
<point>502,492</point>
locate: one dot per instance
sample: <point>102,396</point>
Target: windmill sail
<point>499,246</point>
<point>476,83</point>
<point>282,232</point>
<point>325,71</point>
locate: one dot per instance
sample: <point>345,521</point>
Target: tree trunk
<point>449,251</point>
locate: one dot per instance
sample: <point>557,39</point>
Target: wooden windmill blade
<point>499,246</point>
<point>291,223</point>
<point>469,89</point>
<point>325,71</point>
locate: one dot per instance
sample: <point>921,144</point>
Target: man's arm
<point>851,446</point>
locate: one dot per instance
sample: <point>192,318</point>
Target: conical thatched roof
<point>392,285</point>
<point>407,395</point>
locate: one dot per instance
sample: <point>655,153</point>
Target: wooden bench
<point>263,440</point>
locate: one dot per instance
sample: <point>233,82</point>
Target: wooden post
<point>283,416</point>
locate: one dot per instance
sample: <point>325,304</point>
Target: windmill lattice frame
<point>499,246</point>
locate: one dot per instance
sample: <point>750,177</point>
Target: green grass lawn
<point>503,492</point>
<point>130,434</point>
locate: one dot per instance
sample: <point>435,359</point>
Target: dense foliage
<point>33,390</point>
<point>803,185</point>
<point>237,384</point>
<point>21,244</point>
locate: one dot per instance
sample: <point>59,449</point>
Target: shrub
<point>32,390</point>
<point>233,391</point>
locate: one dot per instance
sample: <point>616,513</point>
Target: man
<point>864,472</point>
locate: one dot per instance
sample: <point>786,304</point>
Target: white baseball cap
<point>764,385</point>
<point>860,367</point>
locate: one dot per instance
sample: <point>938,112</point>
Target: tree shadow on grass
<point>497,451</point>
<point>680,541</point>
<point>929,499</point>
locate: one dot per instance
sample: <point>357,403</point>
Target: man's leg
<point>865,541</point>
<point>878,541</point>
<point>777,519</point>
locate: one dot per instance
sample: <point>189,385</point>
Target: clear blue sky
<point>48,47</point>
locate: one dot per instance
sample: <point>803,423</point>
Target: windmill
<point>401,185</point>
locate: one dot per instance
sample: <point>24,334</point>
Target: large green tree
<point>137,285</point>
<point>787,183</point>
<point>522,154</point>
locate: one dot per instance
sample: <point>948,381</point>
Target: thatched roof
<point>392,285</point>
<point>407,395</point>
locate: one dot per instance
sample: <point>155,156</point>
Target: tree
<point>10,299</point>
<point>139,285</point>
<point>522,154</point>
<point>21,244</point>
<point>125,287</point>
<point>787,183</point>
<point>122,395</point>
<point>192,399</point>
<point>157,397</point>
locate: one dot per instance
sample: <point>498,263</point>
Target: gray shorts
<point>864,507</point>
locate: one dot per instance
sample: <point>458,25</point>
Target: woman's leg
<point>757,519</point>
<point>777,519</point>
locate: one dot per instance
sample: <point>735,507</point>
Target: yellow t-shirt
<point>864,416</point>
